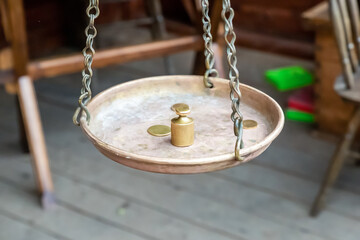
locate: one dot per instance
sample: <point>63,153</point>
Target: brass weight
<point>182,127</point>
<point>173,107</point>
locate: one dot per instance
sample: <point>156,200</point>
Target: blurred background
<point>286,48</point>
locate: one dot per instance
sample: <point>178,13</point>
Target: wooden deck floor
<point>268,198</point>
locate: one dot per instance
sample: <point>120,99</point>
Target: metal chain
<point>92,12</point>
<point>235,94</point>
<point>209,53</point>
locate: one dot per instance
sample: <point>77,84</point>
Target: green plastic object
<point>299,116</point>
<point>289,78</point>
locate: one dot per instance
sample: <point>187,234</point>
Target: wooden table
<point>332,113</point>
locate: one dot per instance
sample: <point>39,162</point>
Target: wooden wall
<point>44,24</point>
<point>275,25</point>
<point>55,24</point>
<point>44,20</point>
<point>270,25</point>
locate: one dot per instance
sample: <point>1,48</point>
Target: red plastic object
<point>302,100</point>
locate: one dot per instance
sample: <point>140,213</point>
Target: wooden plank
<point>280,22</point>
<point>247,196</point>
<point>127,212</point>
<point>117,210</point>
<point>179,28</point>
<point>275,160</point>
<point>74,63</point>
<point>240,198</point>
<point>270,43</point>
<point>261,203</point>
<point>279,19</point>
<point>178,184</point>
<point>60,221</point>
<point>15,230</point>
<point>281,3</point>
<point>294,187</point>
<point>215,216</point>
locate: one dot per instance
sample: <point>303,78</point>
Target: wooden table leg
<point>22,134</point>
<point>35,135</point>
<point>27,99</point>
<point>336,163</point>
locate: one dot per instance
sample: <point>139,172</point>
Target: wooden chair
<point>346,22</point>
<point>24,72</point>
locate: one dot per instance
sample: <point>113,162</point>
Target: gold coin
<point>249,124</point>
<point>159,130</point>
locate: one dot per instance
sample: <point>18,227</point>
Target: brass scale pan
<point>121,115</point>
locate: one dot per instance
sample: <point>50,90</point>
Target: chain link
<point>235,94</point>
<point>209,53</point>
<point>92,12</point>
